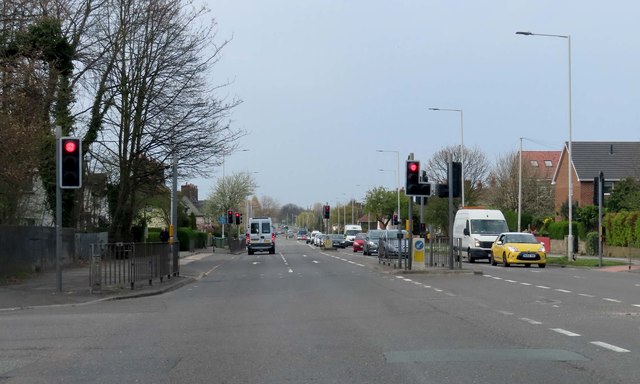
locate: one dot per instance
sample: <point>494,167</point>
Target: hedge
<point>557,230</point>
<point>591,243</point>
<point>185,235</point>
<point>622,228</point>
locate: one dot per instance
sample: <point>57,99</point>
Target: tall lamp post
<point>569,160</point>
<point>461,145</point>
<point>397,177</point>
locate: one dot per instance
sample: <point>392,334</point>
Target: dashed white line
<point>525,283</point>
<point>530,321</point>
<point>609,346</point>
<point>585,295</point>
<point>511,281</point>
<point>409,280</point>
<point>399,277</point>
<point>450,294</point>
<point>564,332</point>
<point>427,286</point>
<point>542,286</point>
<point>611,300</point>
<point>315,261</point>
<point>496,277</point>
<point>636,305</point>
<point>417,283</point>
<point>506,313</point>
<point>437,290</point>
<point>563,290</point>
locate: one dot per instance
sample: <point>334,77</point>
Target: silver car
<point>388,244</point>
<point>370,245</point>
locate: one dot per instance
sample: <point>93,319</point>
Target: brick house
<point>616,159</point>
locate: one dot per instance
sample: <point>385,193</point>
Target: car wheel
<point>542,265</point>
<point>504,260</point>
<point>492,261</point>
<point>527,265</point>
<point>272,250</point>
<point>250,251</point>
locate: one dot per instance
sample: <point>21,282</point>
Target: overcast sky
<point>325,83</point>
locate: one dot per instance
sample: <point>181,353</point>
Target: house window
<point>608,187</point>
<point>534,163</point>
<point>548,163</point>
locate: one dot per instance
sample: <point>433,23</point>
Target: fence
<point>121,264</point>
<point>439,253</point>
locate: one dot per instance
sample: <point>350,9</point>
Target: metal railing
<point>121,264</point>
<point>439,253</point>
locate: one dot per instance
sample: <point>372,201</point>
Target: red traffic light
<point>413,167</point>
<point>70,146</point>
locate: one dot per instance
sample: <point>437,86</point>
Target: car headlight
<point>542,249</point>
<point>477,242</point>
<point>512,249</point>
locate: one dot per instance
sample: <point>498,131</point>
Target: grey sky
<point>326,83</point>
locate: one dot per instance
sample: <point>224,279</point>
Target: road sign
<point>222,219</point>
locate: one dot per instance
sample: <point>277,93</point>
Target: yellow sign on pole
<point>418,251</point>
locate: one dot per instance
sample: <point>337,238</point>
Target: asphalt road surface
<point>304,315</point>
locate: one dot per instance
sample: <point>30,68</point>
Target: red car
<point>358,242</point>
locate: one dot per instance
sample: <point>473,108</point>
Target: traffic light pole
<point>58,212</point>
<point>450,177</point>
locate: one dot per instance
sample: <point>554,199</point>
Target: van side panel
<point>477,245</point>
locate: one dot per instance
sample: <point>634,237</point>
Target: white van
<point>350,232</point>
<point>261,236</point>
<point>478,229</point>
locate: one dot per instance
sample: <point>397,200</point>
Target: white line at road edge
<point>564,332</point>
<point>612,300</point>
<point>609,346</point>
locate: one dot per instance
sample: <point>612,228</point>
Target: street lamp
<point>570,163</point>
<point>397,176</point>
<point>461,146</point>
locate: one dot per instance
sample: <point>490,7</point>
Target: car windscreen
<point>351,232</point>
<point>488,227</point>
<point>255,228</point>
<point>521,238</point>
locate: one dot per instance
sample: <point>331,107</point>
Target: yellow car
<point>518,248</point>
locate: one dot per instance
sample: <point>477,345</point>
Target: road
<point>309,316</point>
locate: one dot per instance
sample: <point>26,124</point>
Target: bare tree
<point>269,206</point>
<point>230,193</point>
<point>503,190</point>
<point>157,102</point>
<point>475,169</point>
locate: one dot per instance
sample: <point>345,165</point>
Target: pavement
<point>41,289</point>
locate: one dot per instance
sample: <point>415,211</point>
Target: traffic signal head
<point>70,162</point>
<point>395,219</point>
<point>229,217</point>
<point>327,211</point>
<point>412,177</point>
<point>237,218</point>
<point>456,175</point>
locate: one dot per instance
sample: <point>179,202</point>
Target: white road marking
<point>511,281</point>
<point>417,283</point>
<point>611,300</point>
<point>487,275</point>
<point>427,286</point>
<point>530,321</point>
<point>609,346</point>
<point>585,295</point>
<point>409,280</point>
<point>506,313</point>
<point>290,270</point>
<point>563,290</point>
<point>255,263</point>
<point>637,285</point>
<point>359,265</point>
<point>315,261</point>
<point>496,277</point>
<point>542,286</point>
<point>525,283</point>
<point>564,332</point>
<point>306,255</point>
<point>636,305</point>
<point>450,294</point>
<point>437,290</point>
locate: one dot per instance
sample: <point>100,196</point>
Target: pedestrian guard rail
<point>438,255</point>
<point>132,264</point>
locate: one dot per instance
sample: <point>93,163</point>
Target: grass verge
<point>582,262</point>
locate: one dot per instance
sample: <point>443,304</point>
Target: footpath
<point>41,289</point>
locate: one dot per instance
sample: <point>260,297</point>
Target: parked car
<point>388,244</point>
<point>518,248</point>
<point>337,240</point>
<point>311,238</point>
<point>317,241</point>
<point>358,241</point>
<point>370,245</point>
<point>302,234</point>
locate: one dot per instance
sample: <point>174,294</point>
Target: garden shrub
<point>591,243</point>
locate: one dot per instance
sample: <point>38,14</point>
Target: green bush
<point>512,220</point>
<point>187,235</point>
<point>591,243</point>
<point>559,229</point>
<point>637,234</point>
